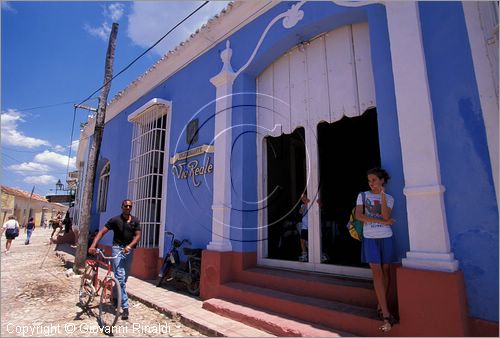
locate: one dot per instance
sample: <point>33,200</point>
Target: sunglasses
<point>127,206</point>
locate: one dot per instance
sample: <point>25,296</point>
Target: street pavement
<point>39,299</point>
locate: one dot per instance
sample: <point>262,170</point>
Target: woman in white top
<point>377,245</point>
<point>10,227</point>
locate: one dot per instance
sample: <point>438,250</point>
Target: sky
<point>52,57</point>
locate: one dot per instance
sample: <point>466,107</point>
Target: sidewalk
<point>187,309</point>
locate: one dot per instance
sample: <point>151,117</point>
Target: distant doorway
<point>346,150</point>
<point>286,173</point>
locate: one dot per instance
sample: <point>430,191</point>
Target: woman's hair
<point>31,219</point>
<point>11,217</point>
<point>380,173</point>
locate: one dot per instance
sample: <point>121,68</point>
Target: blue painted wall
<point>471,206</point>
<point>472,213</point>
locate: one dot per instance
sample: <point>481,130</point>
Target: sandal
<point>388,323</point>
<point>380,314</point>
<point>386,327</point>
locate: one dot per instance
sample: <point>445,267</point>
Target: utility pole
<point>88,188</point>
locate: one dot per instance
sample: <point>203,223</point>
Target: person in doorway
<point>126,234</point>
<point>11,228</point>
<point>30,227</point>
<point>377,245</point>
<point>304,231</point>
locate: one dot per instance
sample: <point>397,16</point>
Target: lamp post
<point>59,185</point>
<point>70,187</point>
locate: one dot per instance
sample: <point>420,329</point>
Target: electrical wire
<point>147,50</point>
<point>51,105</point>
<point>124,69</point>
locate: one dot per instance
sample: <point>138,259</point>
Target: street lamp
<point>59,185</point>
<point>70,188</point>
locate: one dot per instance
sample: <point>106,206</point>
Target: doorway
<point>286,171</point>
<point>346,150</point>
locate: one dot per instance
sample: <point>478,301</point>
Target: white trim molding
<point>221,217</point>
<point>427,227</point>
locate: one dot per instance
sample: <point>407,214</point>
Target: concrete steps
<point>270,322</point>
<point>298,303</point>
<point>342,289</point>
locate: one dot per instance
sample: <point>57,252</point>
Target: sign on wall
<point>183,167</point>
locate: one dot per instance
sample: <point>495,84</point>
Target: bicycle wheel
<point>194,286</point>
<point>110,303</point>
<point>87,291</point>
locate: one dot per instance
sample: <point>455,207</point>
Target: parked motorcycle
<point>186,272</point>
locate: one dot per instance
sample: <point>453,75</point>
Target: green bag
<point>354,226</point>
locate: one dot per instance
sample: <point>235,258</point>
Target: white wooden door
<point>322,80</point>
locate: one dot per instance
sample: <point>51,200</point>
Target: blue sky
<point>53,57</point>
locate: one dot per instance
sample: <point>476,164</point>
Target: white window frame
<point>147,185</point>
<point>102,194</point>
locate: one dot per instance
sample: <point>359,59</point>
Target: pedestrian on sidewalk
<point>56,226</point>
<point>11,229</point>
<point>30,227</point>
<point>126,234</point>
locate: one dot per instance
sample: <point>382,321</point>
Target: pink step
<point>271,322</point>
<point>342,289</point>
<point>327,313</point>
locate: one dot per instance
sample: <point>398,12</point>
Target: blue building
<point>269,100</point>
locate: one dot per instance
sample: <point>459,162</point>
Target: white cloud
<point>10,134</point>
<point>29,168</point>
<point>59,148</point>
<point>149,21</point>
<point>42,179</point>
<point>112,13</point>
<point>102,32</point>
<point>74,145</point>
<point>54,159</point>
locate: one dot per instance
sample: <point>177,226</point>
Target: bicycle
<point>108,287</point>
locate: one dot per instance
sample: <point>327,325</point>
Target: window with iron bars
<point>146,171</point>
<point>102,194</point>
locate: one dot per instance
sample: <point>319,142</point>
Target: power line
<point>20,151</point>
<point>124,69</point>
<point>50,105</point>
<point>147,50</point>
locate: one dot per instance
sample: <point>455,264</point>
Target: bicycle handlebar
<point>100,252</point>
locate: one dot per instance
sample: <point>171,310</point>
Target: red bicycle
<point>109,288</point>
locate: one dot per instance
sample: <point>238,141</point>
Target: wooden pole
<point>88,188</point>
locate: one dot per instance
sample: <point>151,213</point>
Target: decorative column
<point>428,231</point>
<point>221,219</point>
<point>429,283</point>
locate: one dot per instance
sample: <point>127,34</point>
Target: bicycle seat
<point>192,252</point>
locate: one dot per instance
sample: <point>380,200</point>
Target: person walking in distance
<point>378,244</point>
<point>11,228</point>
<point>126,234</point>
<point>30,227</point>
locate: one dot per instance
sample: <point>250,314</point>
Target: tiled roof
<point>22,193</point>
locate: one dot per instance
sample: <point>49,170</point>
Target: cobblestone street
<point>39,300</point>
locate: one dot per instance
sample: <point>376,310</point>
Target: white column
<point>428,231</point>
<point>221,217</point>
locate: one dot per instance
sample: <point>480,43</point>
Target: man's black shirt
<point>123,231</point>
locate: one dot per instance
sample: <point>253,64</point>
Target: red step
<point>312,284</point>
<point>333,315</point>
<point>273,323</point>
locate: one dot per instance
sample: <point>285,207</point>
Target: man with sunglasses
<point>126,234</point>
